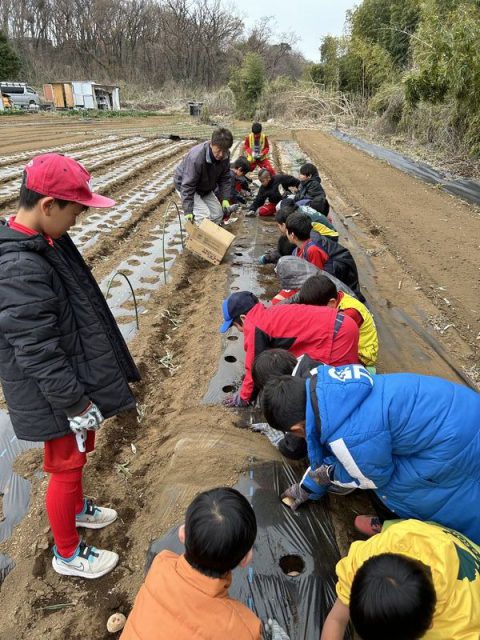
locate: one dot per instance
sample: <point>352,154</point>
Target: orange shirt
<point>176,602</point>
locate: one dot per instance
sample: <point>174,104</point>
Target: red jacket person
<point>331,338</point>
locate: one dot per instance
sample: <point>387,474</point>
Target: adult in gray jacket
<point>206,167</point>
<point>64,365</point>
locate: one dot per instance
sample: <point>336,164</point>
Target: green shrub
<point>247,84</point>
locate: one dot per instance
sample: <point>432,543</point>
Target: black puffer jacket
<point>59,343</point>
<point>310,189</point>
<point>340,263</point>
<point>272,192</point>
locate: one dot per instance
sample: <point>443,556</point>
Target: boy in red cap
<point>64,365</point>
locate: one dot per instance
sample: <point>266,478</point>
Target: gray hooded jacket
<point>198,173</point>
<point>293,272</point>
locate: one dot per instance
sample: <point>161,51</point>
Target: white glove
<point>272,434</point>
<point>90,419</point>
<point>273,631</point>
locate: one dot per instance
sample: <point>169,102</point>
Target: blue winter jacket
<point>414,440</point>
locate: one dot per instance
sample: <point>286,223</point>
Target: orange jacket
<point>176,602</point>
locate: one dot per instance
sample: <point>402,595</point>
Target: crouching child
<point>186,597</point>
<point>413,580</point>
<point>320,290</point>
<point>412,439</point>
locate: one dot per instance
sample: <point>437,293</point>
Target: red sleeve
<point>354,315</point>
<point>317,256</point>
<point>247,387</point>
<point>345,344</point>
<point>246,144</point>
<point>266,147</point>
<point>284,294</point>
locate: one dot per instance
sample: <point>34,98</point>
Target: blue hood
<point>413,439</point>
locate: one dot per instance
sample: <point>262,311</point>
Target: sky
<point>308,19</point>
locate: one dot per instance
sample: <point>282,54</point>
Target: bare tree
<point>191,42</point>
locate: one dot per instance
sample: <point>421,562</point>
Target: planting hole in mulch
<point>292,565</point>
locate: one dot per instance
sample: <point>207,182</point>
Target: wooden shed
<point>82,95</point>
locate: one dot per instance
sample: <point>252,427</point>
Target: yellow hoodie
<point>455,564</point>
<point>368,341</point>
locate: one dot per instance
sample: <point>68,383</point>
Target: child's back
<point>186,597</point>
<point>452,561</point>
<point>178,602</point>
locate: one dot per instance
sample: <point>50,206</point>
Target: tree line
<point>416,62</point>
<point>146,42</point>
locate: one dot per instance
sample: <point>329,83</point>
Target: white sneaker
<point>250,213</point>
<point>87,562</point>
<point>93,517</point>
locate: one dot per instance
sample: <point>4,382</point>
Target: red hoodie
<point>324,334</point>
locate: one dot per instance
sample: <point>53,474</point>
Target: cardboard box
<point>208,240</point>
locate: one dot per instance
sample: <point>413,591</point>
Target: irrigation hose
<point>120,273</point>
<point>165,218</point>
<point>179,216</point>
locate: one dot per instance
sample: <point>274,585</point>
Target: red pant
<point>263,164</point>
<point>64,498</point>
<point>268,209</point>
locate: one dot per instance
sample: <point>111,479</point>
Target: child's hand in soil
<point>235,401</point>
<point>273,435</point>
<point>297,496</point>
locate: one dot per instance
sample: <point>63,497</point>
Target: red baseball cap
<point>58,176</point>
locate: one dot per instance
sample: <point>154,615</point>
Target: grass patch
<point>19,112</point>
<point>105,115</point>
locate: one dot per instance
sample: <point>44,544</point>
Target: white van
<point>20,94</point>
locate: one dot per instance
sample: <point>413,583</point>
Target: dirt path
<point>423,246</point>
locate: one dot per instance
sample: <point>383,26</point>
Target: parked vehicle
<point>20,94</point>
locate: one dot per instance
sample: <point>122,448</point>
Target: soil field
<point>150,463</point>
<point>420,251</point>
